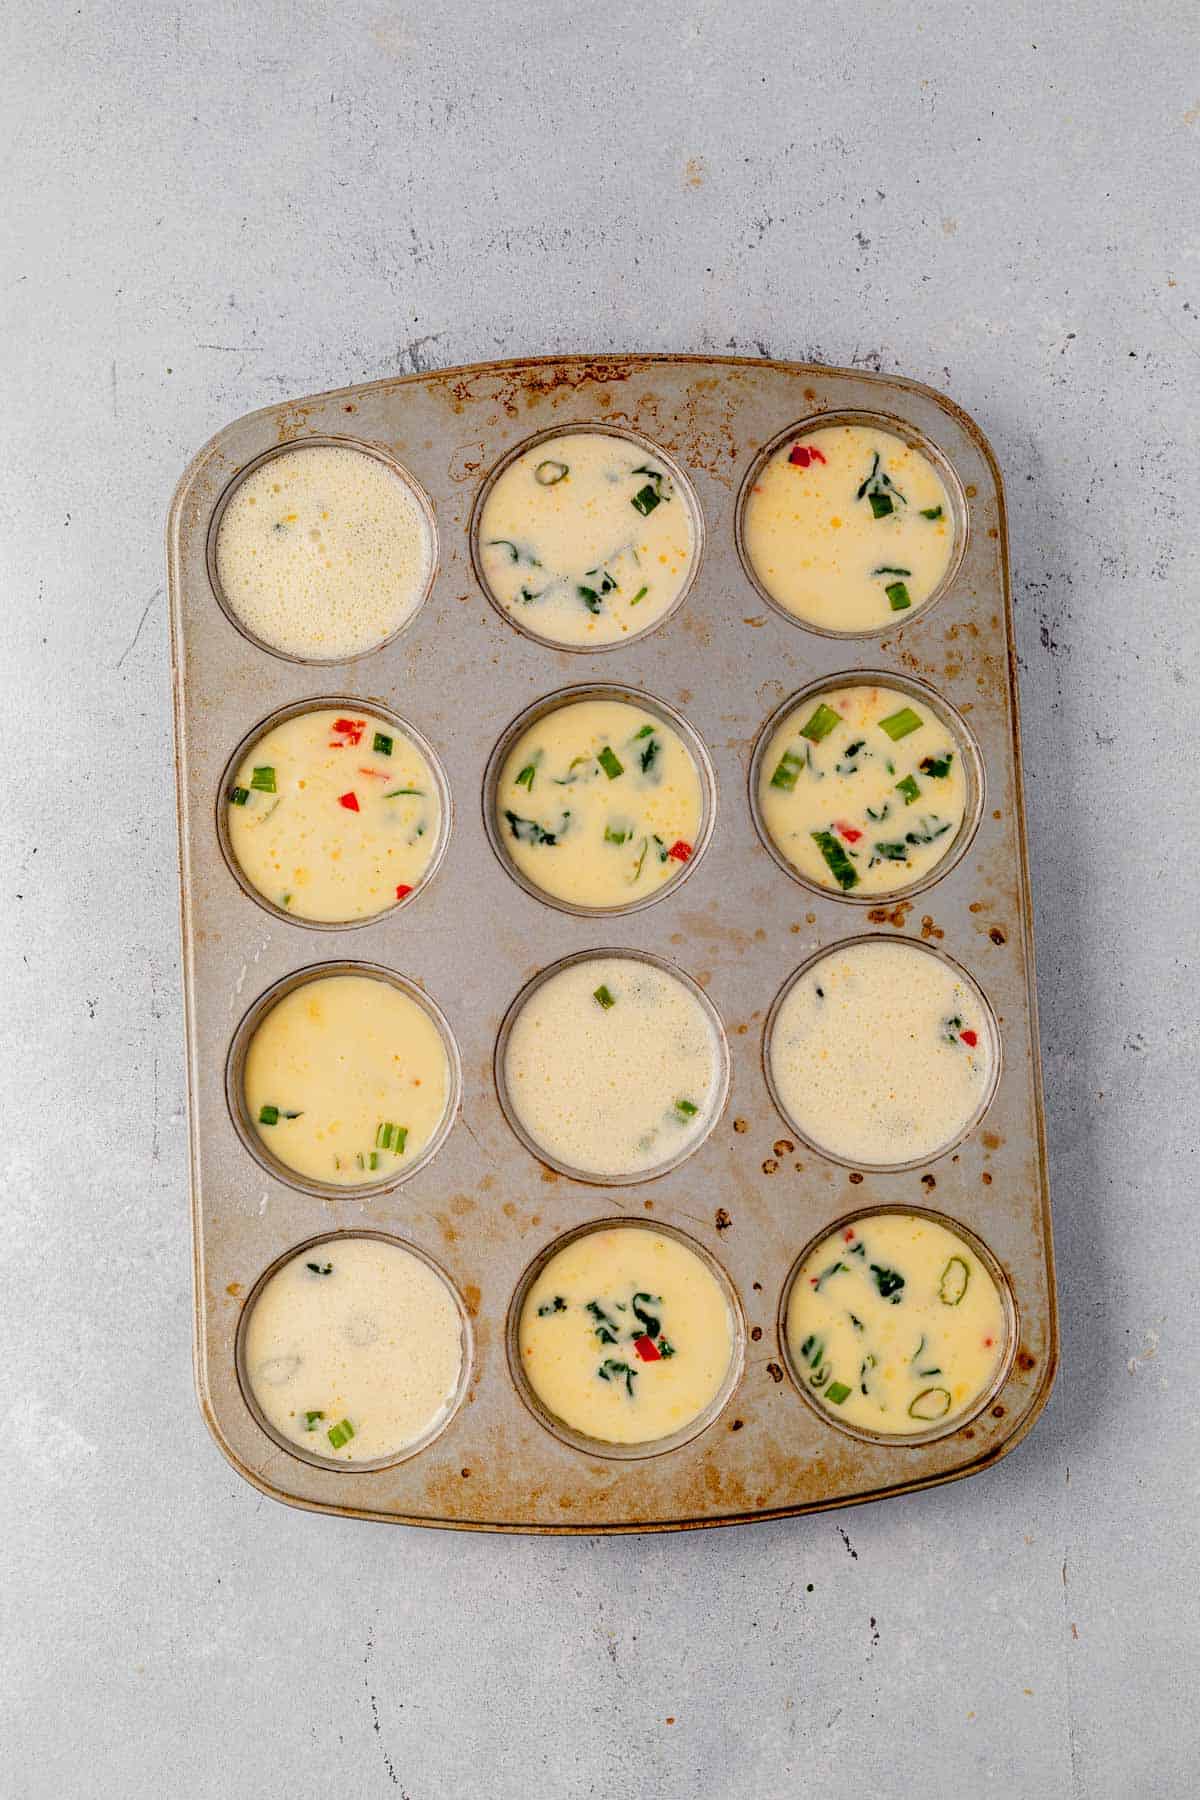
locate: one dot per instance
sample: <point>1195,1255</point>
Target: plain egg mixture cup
<point>414,500</point>
<point>408,733</point>
<point>239,1110</point>
<point>642,702</point>
<point>706,1118</point>
<point>988,1026</point>
<point>604,1447</point>
<point>951,722</point>
<point>320,1248</point>
<point>802,1372</point>
<point>795,435</point>
<point>650,453</point>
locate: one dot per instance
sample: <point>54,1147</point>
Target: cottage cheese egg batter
<point>849,528</point>
<point>354,1349</point>
<point>881,1053</point>
<point>334,815</point>
<point>585,539</point>
<point>599,803</point>
<point>895,1324</point>
<point>323,552</point>
<point>862,788</point>
<point>626,1335</point>
<point>346,1080</point>
<point>613,1067</point>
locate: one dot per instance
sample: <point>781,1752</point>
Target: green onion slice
<point>931,1403</point>
<point>899,596</point>
<point>836,1392</point>
<point>821,723</point>
<point>391,1137</point>
<point>640,595</point>
<point>343,1431</point>
<point>604,997</point>
<point>381,744</point>
<point>264,780</point>
<point>931,512</point>
<point>953,1284</point>
<point>786,774</point>
<point>549,473</point>
<point>937,767</point>
<point>610,762</point>
<point>840,866</point>
<point>238,796</point>
<point>268,1115</point>
<point>525,778</point>
<point>310,1420</point>
<point>899,724</point>
<point>910,788</point>
<point>686,1109</point>
<point>645,500</point>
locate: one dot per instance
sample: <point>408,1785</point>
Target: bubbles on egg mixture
<point>323,552</point>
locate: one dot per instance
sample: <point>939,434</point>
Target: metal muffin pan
<point>483,1207</point>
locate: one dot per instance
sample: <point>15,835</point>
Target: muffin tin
<point>481,1206</point>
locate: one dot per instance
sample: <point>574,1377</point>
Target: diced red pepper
<point>350,729</point>
<point>680,851</point>
<point>349,801</point>
<point>988,1342</point>
<point>969,1037</point>
<point>401,891</point>
<point>848,832</point>
<point>804,454</point>
<point>848,1234</point>
<point>647,1349</point>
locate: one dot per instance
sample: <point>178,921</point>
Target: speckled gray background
<point>212,207</point>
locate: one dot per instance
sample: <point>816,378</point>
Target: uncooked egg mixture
<point>585,539</point>
<point>895,1324</point>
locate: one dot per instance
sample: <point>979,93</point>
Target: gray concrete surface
<point>212,207</point>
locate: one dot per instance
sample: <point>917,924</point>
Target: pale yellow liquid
<point>815,546</point>
<point>348,1053</point>
<point>303,849</point>
<point>655,810</point>
<point>607,1090</point>
<point>922,1359</point>
<point>550,541</point>
<point>861,1057</point>
<point>562,1354</point>
<point>377,1342</point>
<point>323,552</point>
<point>836,793</point>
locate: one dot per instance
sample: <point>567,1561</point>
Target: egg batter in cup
<point>355,1350</point>
<point>897,1324</point>
<point>599,798</point>
<point>586,538</point>
<point>881,1053</point>
<point>626,1339</point>
<point>323,551</point>
<point>343,1077</point>
<point>862,787</point>
<point>848,527</point>
<point>333,814</point>
<point>612,1066</point>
